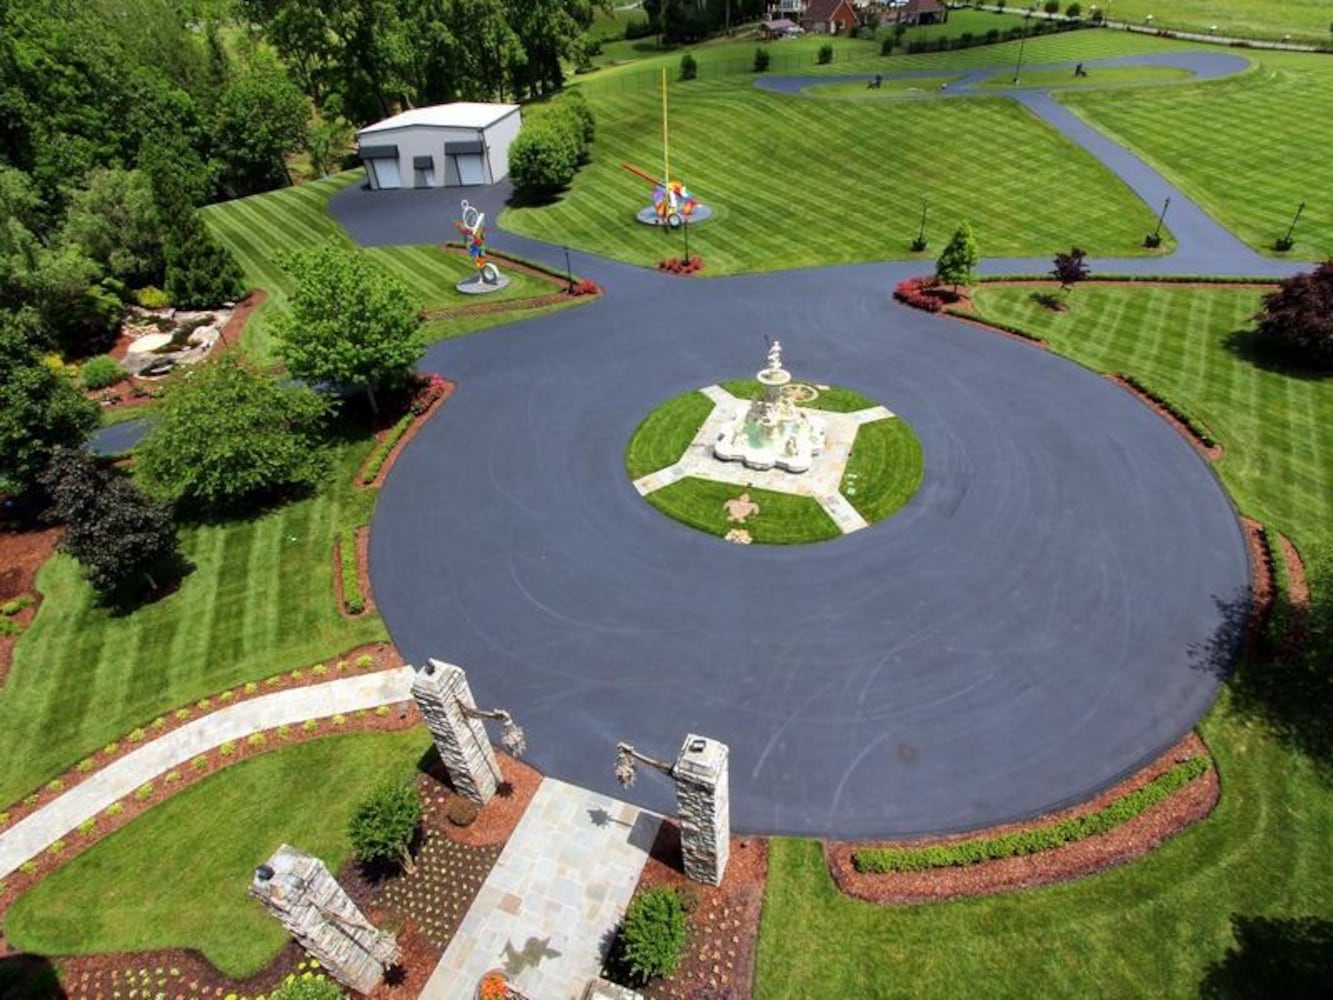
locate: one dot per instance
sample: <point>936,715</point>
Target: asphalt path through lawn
<point>1053,608</point>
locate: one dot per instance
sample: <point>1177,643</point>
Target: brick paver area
<point>554,898</point>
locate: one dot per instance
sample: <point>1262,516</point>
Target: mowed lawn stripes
<point>1250,150</point>
<point>798,182</point>
<point>1189,344</point>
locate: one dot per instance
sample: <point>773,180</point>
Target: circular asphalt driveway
<point>1048,613</point>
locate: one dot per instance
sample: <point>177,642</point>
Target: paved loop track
<point>1048,613</point>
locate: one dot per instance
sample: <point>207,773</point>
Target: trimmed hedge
<point>1196,428</point>
<point>353,598</point>
<point>1151,279</point>
<point>551,146</point>
<point>881,860</point>
<point>381,453</point>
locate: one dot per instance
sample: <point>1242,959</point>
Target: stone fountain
<point>773,432</point>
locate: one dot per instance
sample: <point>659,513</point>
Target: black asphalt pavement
<point>1052,610</point>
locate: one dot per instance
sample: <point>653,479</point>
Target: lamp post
<point>919,243</point>
<point>1022,40</point>
<point>1155,237</point>
<point>569,274</point>
<point>1286,242</point>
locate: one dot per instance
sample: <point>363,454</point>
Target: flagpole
<point>666,139</point>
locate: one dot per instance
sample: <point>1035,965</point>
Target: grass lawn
<point>1098,76</point>
<point>856,90</point>
<point>1304,20</point>
<point>260,600</point>
<point>783,518</point>
<point>1182,342</point>
<point>665,433</point>
<point>258,229</point>
<point>744,152</point>
<point>884,469</point>
<point>1248,149</point>
<point>1152,928</point>
<point>177,876</point>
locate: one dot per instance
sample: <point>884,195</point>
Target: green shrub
<point>10,627</point>
<point>826,53</point>
<point>689,67</point>
<point>577,105</point>
<point>761,60</point>
<point>1044,838</point>
<point>542,158</point>
<point>306,986</point>
<point>152,298</point>
<point>382,450</point>
<point>365,661</point>
<point>651,941</point>
<point>384,824</point>
<point>353,599</point>
<point>14,605</point>
<point>101,372</point>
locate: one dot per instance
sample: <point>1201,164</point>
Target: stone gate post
<point>440,690</point>
<point>702,798</point>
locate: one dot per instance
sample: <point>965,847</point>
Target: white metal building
<point>445,145</point>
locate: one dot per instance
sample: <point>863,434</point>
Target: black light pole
<point>1156,238</point>
<point>920,243</point>
<point>685,225</point>
<point>1286,242</point>
<point>569,274</point>
<point>1022,40</point>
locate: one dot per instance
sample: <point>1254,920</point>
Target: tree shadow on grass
<point>1250,346</point>
<point>1290,958</point>
<point>1284,677</point>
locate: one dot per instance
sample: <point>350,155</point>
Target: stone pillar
<point>702,798</point>
<point>298,889</point>
<point>462,742</point>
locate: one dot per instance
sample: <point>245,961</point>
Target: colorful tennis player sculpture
<point>673,205</point>
<point>472,227</point>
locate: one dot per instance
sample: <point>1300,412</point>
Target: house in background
<point>780,28</point>
<point>913,12</point>
<point>831,17</point>
<point>444,145</point>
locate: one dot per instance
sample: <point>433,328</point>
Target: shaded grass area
<point>259,600</point>
<point>1192,345</point>
<point>1098,76</point>
<point>665,433</point>
<point>884,470</point>
<point>783,518</point>
<point>1154,928</point>
<point>1249,149</point>
<point>176,877</point>
<point>261,228</point>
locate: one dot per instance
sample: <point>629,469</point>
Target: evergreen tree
<point>957,262</point>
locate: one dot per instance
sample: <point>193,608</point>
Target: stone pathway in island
<point>822,483</point>
<point>35,833</point>
<point>554,898</point>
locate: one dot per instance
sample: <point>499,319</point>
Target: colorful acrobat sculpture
<point>673,205</point>
<point>472,227</point>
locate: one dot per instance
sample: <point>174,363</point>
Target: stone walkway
<point>554,898</point>
<point>33,834</point>
<point>822,483</point>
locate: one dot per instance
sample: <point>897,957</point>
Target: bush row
<point>381,453</point>
<point>354,600</point>
<point>552,145</point>
<point>965,852</point>
<point>1195,428</point>
<point>967,39</point>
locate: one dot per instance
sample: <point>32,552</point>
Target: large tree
<point>229,436</point>
<point>40,408</point>
<point>349,321</point>
<point>958,260</point>
<point>114,220</point>
<point>1298,317</point>
<point>124,540</point>
<point>261,119</point>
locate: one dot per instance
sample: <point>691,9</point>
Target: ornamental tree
<point>350,322</point>
<point>41,409</point>
<point>1298,317</point>
<point>383,826</point>
<point>124,540</point>
<point>229,436</point>
<point>1070,268</point>
<point>958,260</point>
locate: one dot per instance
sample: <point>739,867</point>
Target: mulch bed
<point>1263,588</point>
<point>22,554</point>
<point>723,920</point>
<point>1070,861</point>
<point>408,435</point>
<point>1298,586</point>
<point>383,656</point>
<point>495,824</point>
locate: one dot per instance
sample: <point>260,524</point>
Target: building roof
<point>460,114</point>
<point>780,24</point>
<point>823,10</point>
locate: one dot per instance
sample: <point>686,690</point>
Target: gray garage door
<point>386,174</point>
<point>471,168</point>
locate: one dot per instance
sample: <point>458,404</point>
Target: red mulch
<point>408,435</point>
<point>22,554</point>
<point>1298,587</point>
<point>1263,589</point>
<point>495,823</point>
<point>383,655</point>
<point>723,920</point>
<point>1069,861</point>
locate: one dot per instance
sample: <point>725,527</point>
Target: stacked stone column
<point>703,800</point>
<point>299,890</point>
<point>440,690</point>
